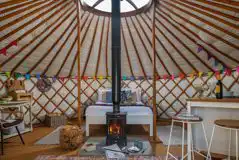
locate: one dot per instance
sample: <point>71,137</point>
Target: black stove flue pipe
<point>116,55</point>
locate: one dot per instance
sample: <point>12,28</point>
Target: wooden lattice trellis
<point>171,94</point>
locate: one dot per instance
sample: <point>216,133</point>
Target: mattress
<point>100,110</point>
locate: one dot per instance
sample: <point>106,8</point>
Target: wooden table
<point>211,109</point>
<point>22,106</point>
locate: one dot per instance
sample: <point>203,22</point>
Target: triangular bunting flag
<point>200,74</point>
<point>237,69</point>
<point>200,48</point>
<point>172,77</point>
<point>27,76</point>
<point>38,75</point>
<point>3,51</point>
<point>157,77</point>
<point>8,74</point>
<point>13,43</point>
<point>101,77</point>
<point>181,76</point>
<point>54,79</point>
<point>210,74</point>
<point>132,78</point>
<point>62,79</point>
<point>165,77</point>
<point>124,78</point>
<point>209,57</point>
<point>228,72</point>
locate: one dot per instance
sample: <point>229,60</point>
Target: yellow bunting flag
<point>200,74</point>
<point>210,74</point>
<point>8,74</point>
<point>101,77</point>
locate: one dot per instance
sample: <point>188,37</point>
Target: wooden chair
<point>5,124</point>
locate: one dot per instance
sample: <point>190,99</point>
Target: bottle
<point>218,90</point>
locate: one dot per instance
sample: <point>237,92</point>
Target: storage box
<point>55,120</point>
<point>13,130</point>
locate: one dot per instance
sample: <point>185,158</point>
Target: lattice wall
<point>171,94</point>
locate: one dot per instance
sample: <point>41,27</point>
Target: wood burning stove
<point>116,123</point>
<point>116,120</point>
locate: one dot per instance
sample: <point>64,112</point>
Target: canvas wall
<point>171,94</point>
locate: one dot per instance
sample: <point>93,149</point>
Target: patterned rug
<point>100,141</point>
<point>54,157</point>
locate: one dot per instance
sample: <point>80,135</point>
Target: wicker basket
<point>55,120</point>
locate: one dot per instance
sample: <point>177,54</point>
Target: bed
<point>136,114</point>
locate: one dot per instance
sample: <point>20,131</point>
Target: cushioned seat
<point>228,123</point>
<point>187,120</point>
<point>10,124</point>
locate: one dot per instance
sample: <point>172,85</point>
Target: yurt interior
<point>119,79</point>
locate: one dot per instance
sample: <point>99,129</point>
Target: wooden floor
<point>14,150</point>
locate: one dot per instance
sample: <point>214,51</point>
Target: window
<point>127,6</point>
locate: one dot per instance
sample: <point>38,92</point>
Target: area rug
<point>52,138</point>
<point>100,141</point>
<point>164,132</point>
<point>54,157</point>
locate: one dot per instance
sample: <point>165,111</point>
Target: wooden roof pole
<point>78,65</point>
<point>155,136</point>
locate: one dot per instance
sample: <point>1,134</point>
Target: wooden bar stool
<point>187,122</point>
<point>231,125</point>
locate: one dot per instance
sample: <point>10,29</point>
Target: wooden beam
<point>56,13</point>
<point>91,46</point>
<point>82,39</point>
<point>28,22</point>
<point>196,26</point>
<point>59,50</point>
<point>200,19</point>
<point>225,54</point>
<point>191,6</point>
<point>135,48</point>
<point>106,48</point>
<point>150,41</point>
<point>100,46</point>
<point>127,52</point>
<point>155,135</point>
<point>78,64</point>
<point>189,37</point>
<point>54,44</point>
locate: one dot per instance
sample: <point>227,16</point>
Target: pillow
<point>108,97</point>
<point>101,92</point>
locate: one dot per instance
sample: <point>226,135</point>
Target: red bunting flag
<point>228,72</point>
<point>13,43</point>
<point>181,75</point>
<point>3,51</point>
<point>85,78</point>
<point>165,77</point>
<point>157,77</point>
<point>62,79</point>
<point>172,77</point>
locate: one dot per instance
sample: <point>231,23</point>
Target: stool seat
<point>228,123</point>
<point>187,119</point>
